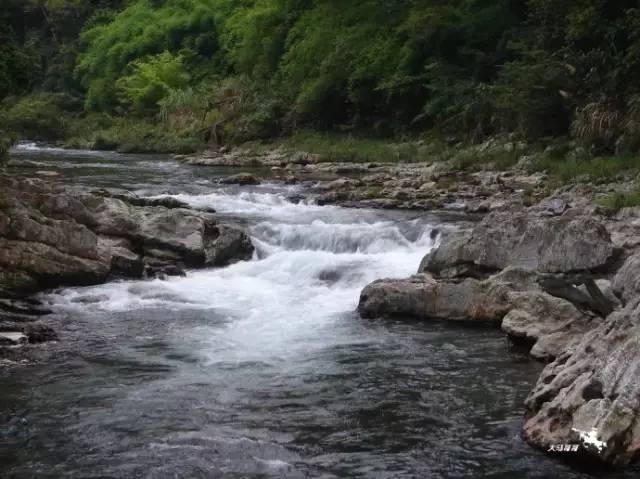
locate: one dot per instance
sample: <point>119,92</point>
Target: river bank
<point>431,175</point>
<point>517,266</point>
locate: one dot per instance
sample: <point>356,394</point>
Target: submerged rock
<point>240,179</point>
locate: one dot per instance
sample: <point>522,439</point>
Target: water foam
<point>313,264</point>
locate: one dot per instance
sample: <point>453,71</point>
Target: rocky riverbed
<point>552,269</point>
<point>558,274</point>
<point>466,179</point>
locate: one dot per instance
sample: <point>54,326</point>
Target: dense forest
<point>225,71</point>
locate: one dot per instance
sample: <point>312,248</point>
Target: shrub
<point>617,201</point>
<point>6,141</point>
<point>39,117</point>
<point>598,124</point>
<point>150,81</point>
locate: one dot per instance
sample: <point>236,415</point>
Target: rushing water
<point>263,369</point>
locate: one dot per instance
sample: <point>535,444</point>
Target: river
<point>263,369</point>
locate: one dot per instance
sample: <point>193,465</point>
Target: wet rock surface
<point>54,236</point>
<point>592,390</point>
<point>240,179</point>
<point>554,279</point>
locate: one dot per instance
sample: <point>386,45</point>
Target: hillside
<point>177,75</point>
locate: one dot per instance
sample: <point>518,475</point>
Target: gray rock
<point>240,179</point>
<point>448,259</point>
<point>188,234</point>
<point>12,338</point>
<point>51,235</point>
<point>553,207</point>
<point>123,260</point>
<point>228,246</point>
<point>625,228</point>
<point>527,240</point>
<point>423,297</point>
<point>583,292</point>
<point>548,323</point>
<point>626,283</point>
<point>592,388</point>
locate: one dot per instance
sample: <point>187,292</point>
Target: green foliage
<point>529,96</point>
<point>228,70</point>
<point>18,65</point>
<point>254,36</point>
<point>150,81</point>
<point>6,141</point>
<point>617,201</point>
<point>144,28</point>
<point>603,168</point>
<point>39,116</point>
<point>131,135</point>
<point>473,160</point>
<point>333,147</point>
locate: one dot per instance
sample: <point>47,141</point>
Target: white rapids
<point>310,266</point>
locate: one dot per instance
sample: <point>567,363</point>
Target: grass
<point>58,118</point>
<point>603,168</point>
<point>617,201</point>
<point>332,147</point>
<point>472,160</point>
<point>127,135</point>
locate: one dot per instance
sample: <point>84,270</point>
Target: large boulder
<point>193,237</point>
<point>51,235</point>
<point>422,297</point>
<point>225,245</point>
<point>590,395</point>
<point>512,298</point>
<point>549,324</point>
<point>526,239</point>
<point>38,251</point>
